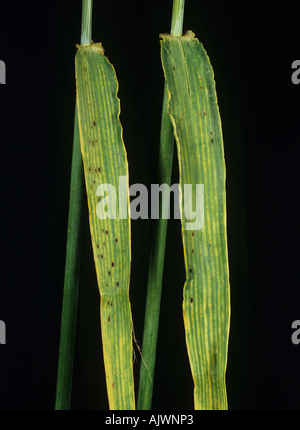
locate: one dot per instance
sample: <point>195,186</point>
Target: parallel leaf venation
<point>195,116</point>
<point>105,160</point>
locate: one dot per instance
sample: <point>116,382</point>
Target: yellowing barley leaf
<point>196,121</point>
<point>105,162</point>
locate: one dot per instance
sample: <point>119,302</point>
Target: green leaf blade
<point>196,120</point>
<point>105,161</point>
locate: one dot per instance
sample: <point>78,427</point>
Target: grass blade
<point>196,120</point>
<point>104,158</point>
<point>71,281</point>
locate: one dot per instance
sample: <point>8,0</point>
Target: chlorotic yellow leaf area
<point>105,161</point>
<point>195,116</point>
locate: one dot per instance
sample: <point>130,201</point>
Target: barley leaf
<point>194,112</point>
<point>105,161</point>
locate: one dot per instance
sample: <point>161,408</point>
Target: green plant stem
<point>86,22</point>
<point>157,253</point>
<point>71,281</point>
<point>177,17</point>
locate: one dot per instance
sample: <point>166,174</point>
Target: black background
<point>251,47</point>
